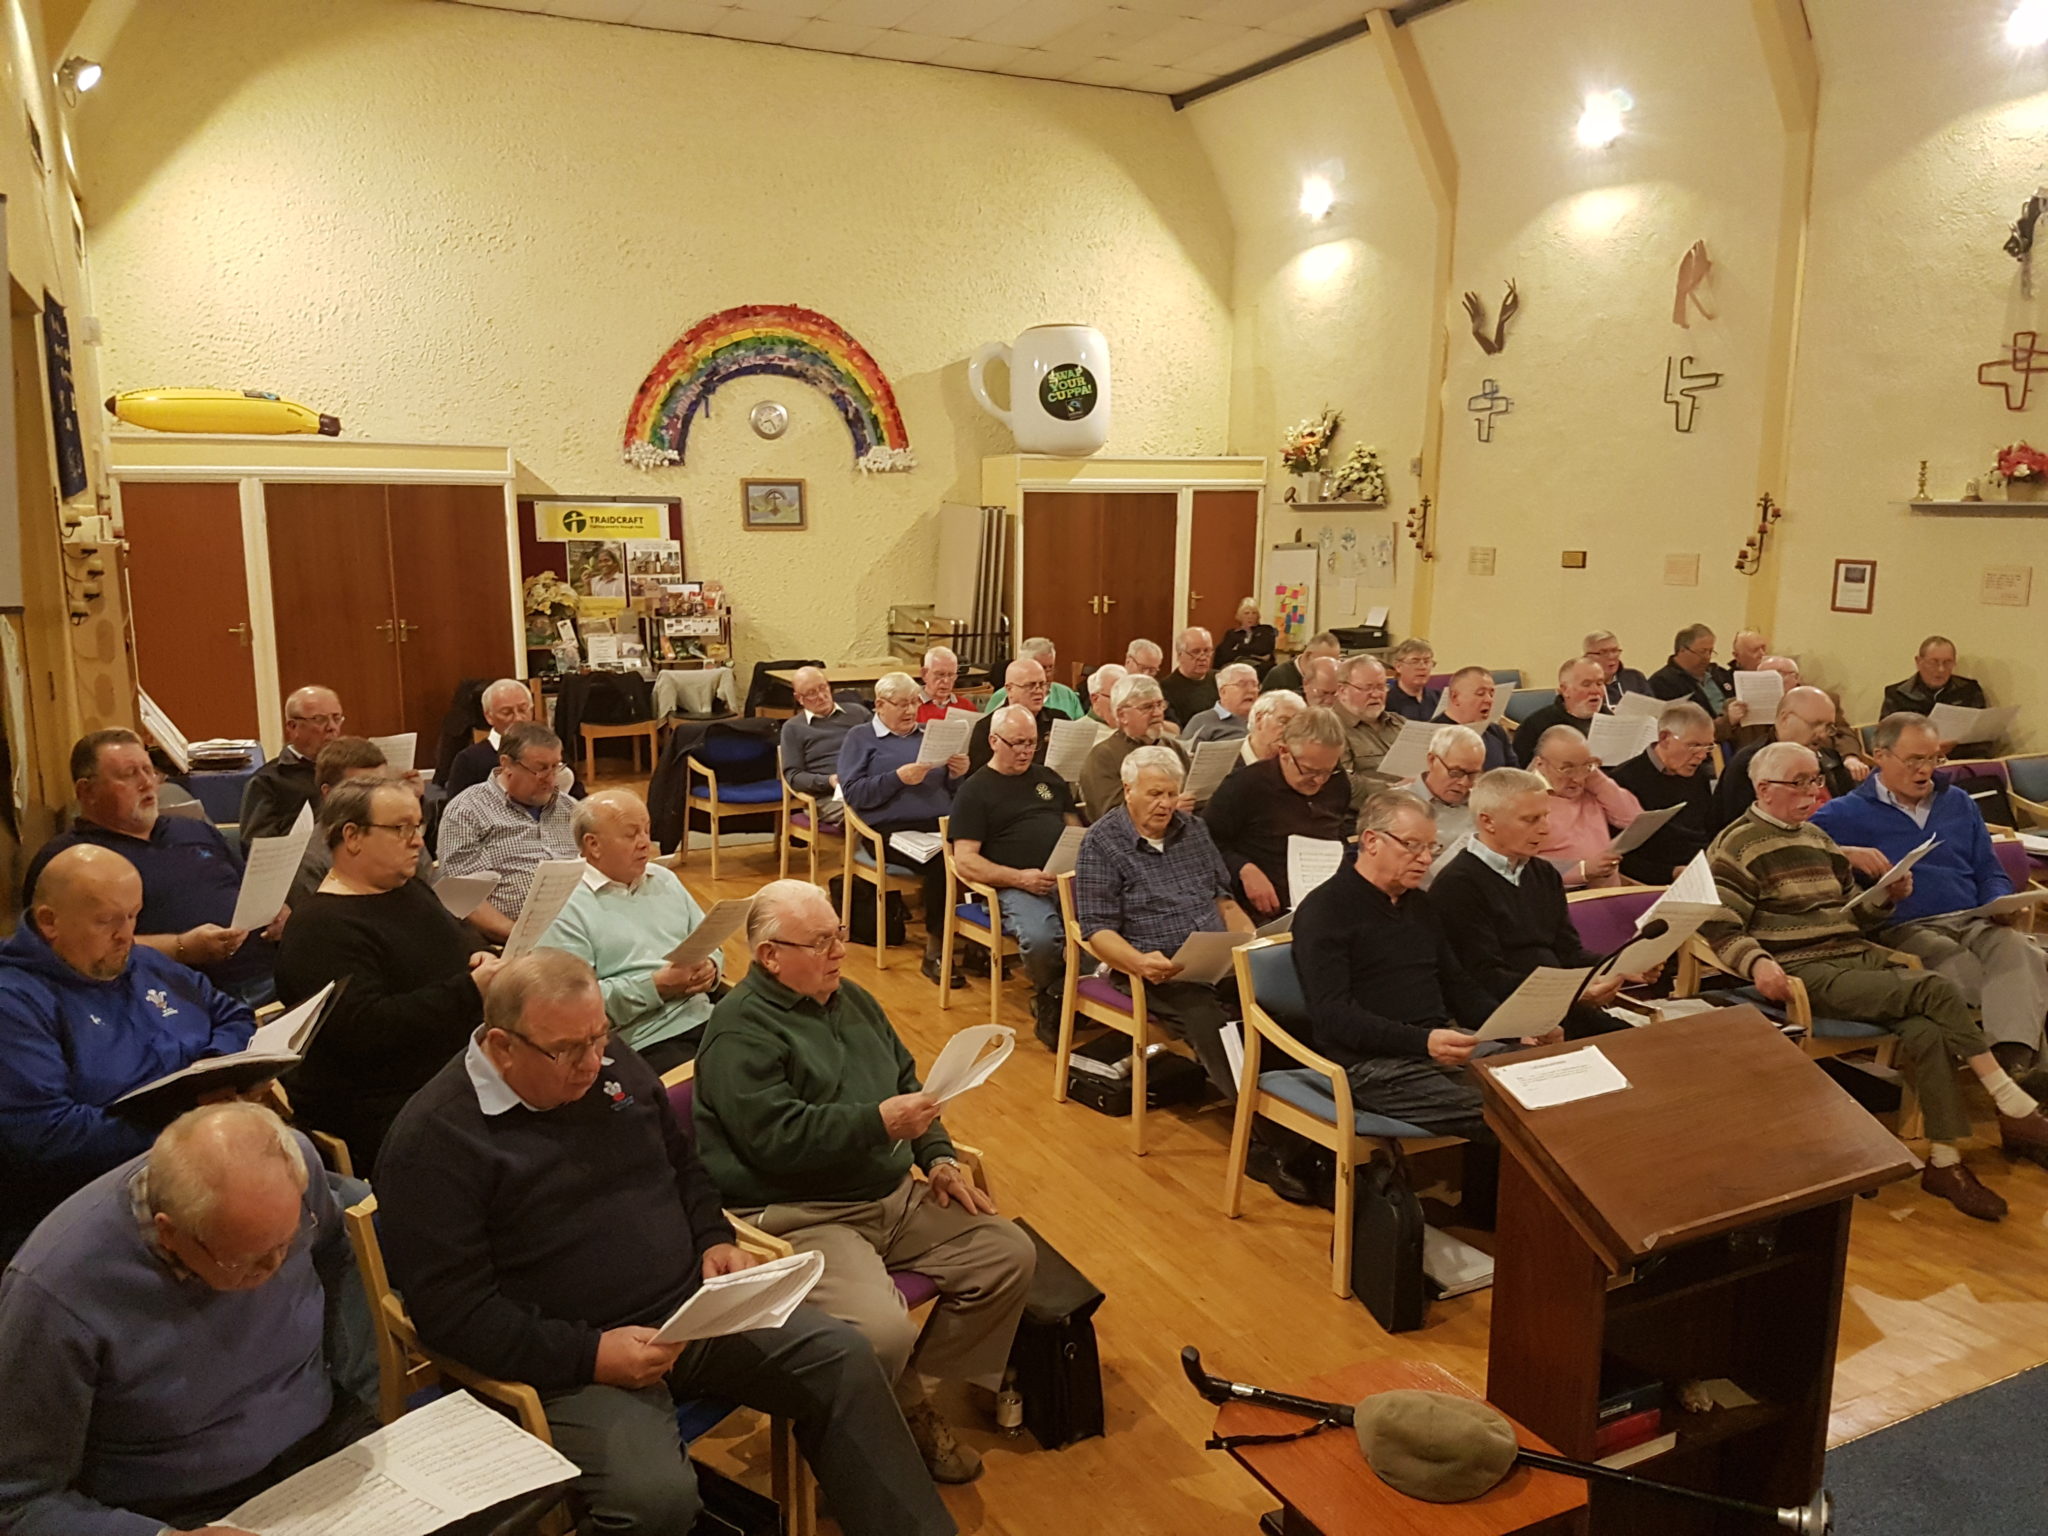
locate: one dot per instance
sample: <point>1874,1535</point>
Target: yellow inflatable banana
<point>217,410</point>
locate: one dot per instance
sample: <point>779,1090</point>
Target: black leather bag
<point>1386,1247</point>
<point>1059,1373</point>
<point>860,922</point>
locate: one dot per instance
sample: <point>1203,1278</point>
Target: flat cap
<point>1435,1445</point>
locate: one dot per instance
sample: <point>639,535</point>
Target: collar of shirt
<point>882,729</point>
<point>1919,812</point>
<point>534,811</point>
<point>809,717</point>
<point>1508,869</point>
<point>776,992</point>
<point>597,880</point>
<point>291,754</point>
<point>1223,712</point>
<point>1174,828</point>
<point>496,741</point>
<point>1766,817</point>
<point>494,1096</point>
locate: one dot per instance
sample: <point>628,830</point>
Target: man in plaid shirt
<point>510,823</point>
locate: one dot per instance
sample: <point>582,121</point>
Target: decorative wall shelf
<point>1980,508</point>
<point>1334,506</point>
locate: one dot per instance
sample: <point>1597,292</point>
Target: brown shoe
<point>945,1458</point>
<point>2021,1132</point>
<point>1959,1187</point>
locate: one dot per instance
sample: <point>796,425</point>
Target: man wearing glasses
<point>811,1120</point>
<point>812,737</point>
<point>1672,770</point>
<point>281,787</point>
<point>190,876</point>
<point>1806,717</point>
<point>1411,697</point>
<point>86,1015</point>
<point>510,824</point>
<point>1299,792</point>
<point>1140,709</point>
<point>543,1215</point>
<point>1788,887</point>
<point>1586,809</point>
<point>505,704</point>
<point>1998,969</point>
<point>1369,726</point>
<point>1025,686</point>
<point>1601,646</point>
<point>1457,756</point>
<point>416,975</point>
<point>1691,674</point>
<point>161,1334</point>
<point>1387,996</point>
<point>1189,688</point>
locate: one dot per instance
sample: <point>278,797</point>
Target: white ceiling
<point>1141,45</point>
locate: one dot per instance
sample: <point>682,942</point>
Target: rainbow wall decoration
<point>778,339</point>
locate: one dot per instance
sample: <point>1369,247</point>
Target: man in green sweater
<point>1793,915</point>
<point>810,1120</point>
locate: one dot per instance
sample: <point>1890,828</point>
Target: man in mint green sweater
<point>623,921</point>
<point>810,1118</point>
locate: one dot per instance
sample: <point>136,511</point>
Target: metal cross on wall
<point>1684,399</point>
<point>1488,404</point>
<point>2025,360</point>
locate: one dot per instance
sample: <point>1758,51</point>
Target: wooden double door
<point>1099,568</point>
<point>389,594</point>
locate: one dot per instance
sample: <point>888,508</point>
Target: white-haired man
<point>812,737</point>
<point>1672,770</point>
<point>1603,647</point>
<point>1058,695</point>
<point>1468,700</point>
<point>941,671</point>
<point>1788,890</point>
<point>1144,656</point>
<point>1581,688</point>
<point>1586,809</point>
<point>1025,686</point>
<point>282,787</point>
<point>1140,709</point>
<point>1457,757</point>
<point>1189,687</point>
<point>1267,723</point>
<point>1101,689</point>
<point>1369,726</point>
<point>811,1120</point>
<point>1007,819</point>
<point>1322,680</point>
<point>624,920</point>
<point>1237,689</point>
<point>162,1335</point>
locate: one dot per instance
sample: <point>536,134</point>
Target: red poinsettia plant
<point>2019,461</point>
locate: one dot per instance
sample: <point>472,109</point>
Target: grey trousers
<point>1195,1013</point>
<point>1443,1100</point>
<point>1999,970</point>
<point>982,1265</point>
<point>814,1370</point>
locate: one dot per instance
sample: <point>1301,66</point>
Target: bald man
<point>1806,717</point>
<point>1026,687</point>
<point>87,1014</point>
<point>1189,687</point>
<point>283,786</point>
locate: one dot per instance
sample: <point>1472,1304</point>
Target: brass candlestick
<point>1418,529</point>
<point>1751,560</point>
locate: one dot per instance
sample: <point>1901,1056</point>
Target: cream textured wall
<point>447,223</point>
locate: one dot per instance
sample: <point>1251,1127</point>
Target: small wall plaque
<point>2007,586</point>
<point>1479,560</point>
<point>1681,570</point>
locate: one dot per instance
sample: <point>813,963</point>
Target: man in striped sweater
<point>1787,888</point>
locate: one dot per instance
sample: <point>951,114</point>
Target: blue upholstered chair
<point>1524,702</point>
<point>976,917</point>
<point>741,778</point>
<point>2028,776</point>
<point>1312,1100</point>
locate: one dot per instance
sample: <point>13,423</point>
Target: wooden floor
<point>1937,1305</point>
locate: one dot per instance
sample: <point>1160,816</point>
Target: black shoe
<point>930,972</point>
<point>1264,1164</point>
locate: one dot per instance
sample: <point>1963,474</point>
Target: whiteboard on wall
<point>1290,592</point>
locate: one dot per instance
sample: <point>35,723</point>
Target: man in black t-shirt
<point>1007,819</point>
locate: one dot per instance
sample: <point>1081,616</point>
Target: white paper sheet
<point>401,752</point>
<point>1072,740</point>
<point>1210,767</point>
<point>1065,852</point>
<point>1537,1006</point>
<point>1452,849</point>
<point>1614,739</point>
<point>2014,901</point>
<point>1310,861</point>
<point>288,1031</point>
<point>1409,754</point>
<point>1562,1079</point>
<point>554,882</point>
<point>1892,876</point>
<point>725,919</point>
<point>760,1297</point>
<point>945,737</point>
<point>166,734</point>
<point>1374,617</point>
<point>463,894</point>
<point>969,1059</point>
<point>1761,691</point>
<point>1284,923</point>
<point>1952,722</point>
<point>273,864</point>
<point>919,847</point>
<point>1205,957</point>
<point>1694,886</point>
<point>437,1464</point>
<point>1641,706</point>
<point>1642,829</point>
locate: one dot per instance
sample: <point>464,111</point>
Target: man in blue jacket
<point>86,1015</point>
<point>1894,811</point>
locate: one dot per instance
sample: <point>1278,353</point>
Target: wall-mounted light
<point>2027,26</point>
<point>1600,124</point>
<point>76,76</point>
<point>1318,197</point>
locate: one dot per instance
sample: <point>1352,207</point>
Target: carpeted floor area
<point>1971,1467</point>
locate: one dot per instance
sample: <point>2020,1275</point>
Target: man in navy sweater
<point>1895,810</point>
<point>544,1215</point>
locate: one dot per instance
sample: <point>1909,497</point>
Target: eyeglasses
<point>1313,775</point>
<point>1807,781</point>
<point>539,770</point>
<point>1026,744</point>
<point>408,831</point>
<point>1567,770</point>
<point>314,719</point>
<point>823,948</point>
<point>1416,850</point>
<point>1457,775</point>
<point>270,1260</point>
<point>145,777</point>
<point>576,1050</point>
<point>1917,763</point>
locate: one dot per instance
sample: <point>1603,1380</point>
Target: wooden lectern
<point>1692,1226</point>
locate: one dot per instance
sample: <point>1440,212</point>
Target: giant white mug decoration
<point>1059,389</point>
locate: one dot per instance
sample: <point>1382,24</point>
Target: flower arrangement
<point>1307,448</point>
<point>1361,477</point>
<point>2019,462</point>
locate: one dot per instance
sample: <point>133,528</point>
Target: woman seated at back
<point>1247,640</point>
<point>416,976</point>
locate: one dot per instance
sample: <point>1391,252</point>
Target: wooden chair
<point>636,731</point>
<point>801,824</point>
<point>1312,1100</point>
<point>407,1367</point>
<point>978,924</point>
<point>860,838</point>
<point>719,803</point>
<point>1605,920</point>
<point>1098,1000</point>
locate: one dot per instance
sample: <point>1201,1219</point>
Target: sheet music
<point>1409,754</point>
<point>1615,739</point>
<point>1892,876</point>
<point>1537,1006</point>
<point>1205,957</point>
<point>1310,861</point>
<point>401,752</point>
<point>2013,901</point>
<point>267,876</point>
<point>945,737</point>
<point>1065,852</point>
<point>1452,849</point>
<point>1284,923</point>
<point>1212,763</point>
<point>435,1465</point>
<point>1582,1074</point>
<point>761,1297</point>
<point>920,847</point>
<point>167,735</point>
<point>969,1059</point>
<point>725,919</point>
<point>1635,706</point>
<point>1501,694</point>
<point>1681,919</point>
<point>1066,754</point>
<point>1642,829</point>
<point>1952,722</point>
<point>1761,691</point>
<point>554,882</point>
<point>463,894</point>
<point>286,1032</point>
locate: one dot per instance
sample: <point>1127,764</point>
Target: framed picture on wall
<point>1855,586</point>
<point>772,504</point>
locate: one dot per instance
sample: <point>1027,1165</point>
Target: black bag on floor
<point>1386,1247</point>
<point>860,922</point>
<point>1059,1374</point>
<point>1170,1078</point>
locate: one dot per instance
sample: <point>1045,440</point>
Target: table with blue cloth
<point>220,789</point>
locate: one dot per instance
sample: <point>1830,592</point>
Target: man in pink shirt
<point>1586,809</point>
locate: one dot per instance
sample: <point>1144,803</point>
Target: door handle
<point>388,628</point>
<point>405,631</point>
<point>1108,602</point>
<point>1194,598</point>
<point>241,633</point>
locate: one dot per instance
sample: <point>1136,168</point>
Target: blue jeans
<point>1034,922</point>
